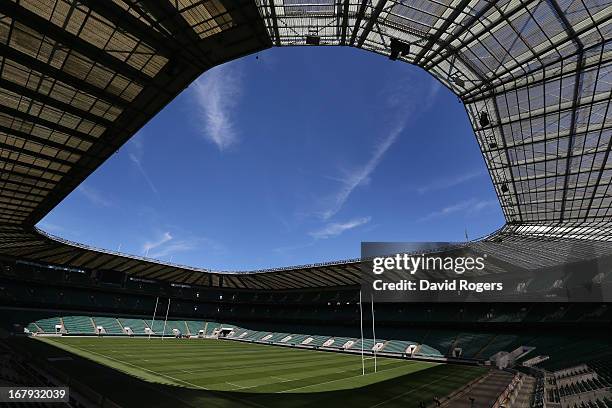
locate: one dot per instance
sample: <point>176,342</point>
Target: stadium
<point>80,78</point>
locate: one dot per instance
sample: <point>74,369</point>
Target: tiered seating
<point>472,343</point>
<point>32,328</point>
<point>578,387</point>
<point>318,340</point>
<point>254,335</point>
<point>603,368</point>
<point>428,351</point>
<point>78,325</point>
<point>238,331</point>
<point>563,353</point>
<point>537,401</point>
<point>263,335</point>
<point>48,325</point>
<point>211,327</point>
<point>396,346</point>
<point>276,337</point>
<point>195,327</point>
<point>432,343</point>
<point>110,324</point>
<point>297,338</point>
<point>176,324</point>
<point>440,340</point>
<point>157,326</point>
<point>367,344</point>
<point>501,342</point>
<point>137,325</point>
<point>340,341</point>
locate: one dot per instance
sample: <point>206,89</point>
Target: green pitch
<point>228,374</point>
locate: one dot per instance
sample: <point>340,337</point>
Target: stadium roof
<point>506,251</point>
<point>79,78</point>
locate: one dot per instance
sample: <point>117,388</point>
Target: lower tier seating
<point>110,324</point>
<point>78,325</point>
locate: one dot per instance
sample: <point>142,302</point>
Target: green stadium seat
<point>176,324</point>
<point>277,337</point>
<point>472,343</point>
<point>397,346</point>
<point>317,341</point>
<point>137,325</point>
<point>211,327</point>
<point>195,327</point>
<point>368,344</point>
<point>157,326</point>
<point>78,325</point>
<point>428,351</point>
<point>32,328</point>
<point>48,325</point>
<point>341,341</point>
<point>111,325</point>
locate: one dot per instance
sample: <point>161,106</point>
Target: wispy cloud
<point>173,248</point>
<point>404,108</point>
<point>138,163</point>
<point>167,244</point>
<point>94,196</point>
<point>217,93</point>
<point>336,228</point>
<point>360,175</point>
<point>470,206</point>
<point>136,156</point>
<point>448,182</point>
<point>166,237</point>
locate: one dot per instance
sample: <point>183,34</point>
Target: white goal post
<point>375,349</point>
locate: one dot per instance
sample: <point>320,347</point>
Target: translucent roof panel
<point>535,77</point>
<point>78,79</point>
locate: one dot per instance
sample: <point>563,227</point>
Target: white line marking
<point>139,367</point>
<point>237,386</point>
<point>339,379</point>
<point>408,392</point>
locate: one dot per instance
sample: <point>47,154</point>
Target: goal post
<point>361,327</point>
<point>166,319</point>
<point>153,321</point>
<point>374,348</point>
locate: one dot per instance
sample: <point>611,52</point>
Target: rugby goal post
<point>374,349</point>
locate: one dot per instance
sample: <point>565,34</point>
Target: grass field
<point>228,374</point>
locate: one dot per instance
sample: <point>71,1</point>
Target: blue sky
<point>290,158</point>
